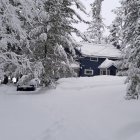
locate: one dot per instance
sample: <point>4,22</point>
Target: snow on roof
<point>99,50</point>
<point>106,64</point>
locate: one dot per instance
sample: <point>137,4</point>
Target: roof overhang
<point>107,67</point>
<point>83,55</point>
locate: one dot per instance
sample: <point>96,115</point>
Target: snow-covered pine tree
<point>10,35</point>
<point>57,37</point>
<point>96,26</point>
<point>113,37</point>
<point>116,27</point>
<point>16,19</point>
<point>34,35</point>
<point>131,35</point>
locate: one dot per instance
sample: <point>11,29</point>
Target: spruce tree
<point>96,26</point>
<point>11,37</point>
<point>17,20</point>
<point>131,35</point>
<point>114,35</point>
<point>58,29</point>
<point>116,27</point>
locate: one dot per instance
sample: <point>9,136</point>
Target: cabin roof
<point>107,63</point>
<point>99,50</point>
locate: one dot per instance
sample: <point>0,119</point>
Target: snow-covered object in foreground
<point>35,82</point>
<point>26,88</point>
<point>99,50</point>
<point>25,84</point>
<point>107,63</point>
<point>24,79</point>
<point>27,79</point>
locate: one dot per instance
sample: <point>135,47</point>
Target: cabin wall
<point>86,63</point>
<point>113,70</point>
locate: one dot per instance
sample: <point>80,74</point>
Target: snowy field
<point>78,109</point>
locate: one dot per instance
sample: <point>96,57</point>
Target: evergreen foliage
<point>131,36</point>
<point>116,28</point>
<point>96,26</point>
<point>14,43</point>
<point>56,38</point>
<point>34,35</point>
<point>113,37</point>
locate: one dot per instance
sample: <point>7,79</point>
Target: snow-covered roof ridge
<point>99,50</point>
<point>107,63</point>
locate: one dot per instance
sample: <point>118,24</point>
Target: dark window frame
<point>88,70</point>
<point>95,59</point>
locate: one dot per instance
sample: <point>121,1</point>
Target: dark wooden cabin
<point>98,59</point>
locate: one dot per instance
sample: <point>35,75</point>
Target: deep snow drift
<point>78,109</point>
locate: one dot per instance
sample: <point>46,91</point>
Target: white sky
<point>107,7</point>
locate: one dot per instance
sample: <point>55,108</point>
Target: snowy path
<point>78,109</point>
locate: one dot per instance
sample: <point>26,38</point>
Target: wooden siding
<point>86,63</point>
<point>113,70</point>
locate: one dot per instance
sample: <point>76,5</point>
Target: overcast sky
<point>107,6</point>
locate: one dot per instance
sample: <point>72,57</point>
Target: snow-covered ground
<point>78,109</point>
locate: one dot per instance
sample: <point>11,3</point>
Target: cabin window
<point>88,72</point>
<point>104,72</point>
<point>94,59</point>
